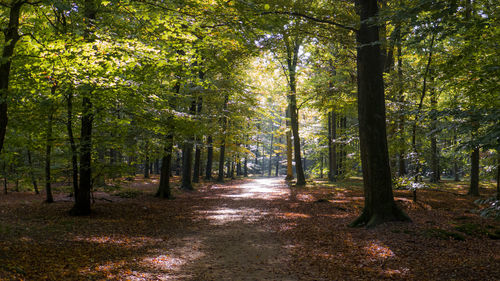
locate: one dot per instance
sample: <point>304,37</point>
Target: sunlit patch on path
<point>264,188</point>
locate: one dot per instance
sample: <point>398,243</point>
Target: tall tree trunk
<point>434,148</point>
<point>271,150</point>
<point>257,155</point>
<point>474,172</point>
<point>289,150</point>
<point>332,147</point>
<point>82,199</point>
<point>187,157</point>
<point>146,160</point>
<point>239,171</point>
<point>220,177</point>
<point>32,173</point>
<point>197,161</point>
<point>156,166</point>
<point>71,138</point>
<point>263,168</point>
<point>292,47</point>
<point>498,173</point>
<point>177,163</point>
<point>197,154</point>
<point>48,150</point>
<point>321,166</point>
<point>232,170</point>
<point>245,167</point>
<point>414,128</point>
<point>11,37</point>
<point>245,162</point>
<point>379,200</point>
<point>210,158</point>
<point>401,121</point>
<point>187,164</point>
<point>166,160</point>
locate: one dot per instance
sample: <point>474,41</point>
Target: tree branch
<point>311,18</point>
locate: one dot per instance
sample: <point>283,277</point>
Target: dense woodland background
<point>93,91</point>
<point>271,125</point>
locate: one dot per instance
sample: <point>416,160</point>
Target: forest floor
<point>253,229</point>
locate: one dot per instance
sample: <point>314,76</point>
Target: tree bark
<point>332,147</point>
<point>220,177</point>
<point>71,139</point>
<point>48,150</point>
<point>32,174</point>
<point>197,153</point>
<point>187,157</point>
<point>11,37</point>
<point>498,174</point>
<point>401,121</point>
<point>197,163</point>
<point>187,162</point>
<point>414,127</point>
<point>82,199</point>
<point>292,59</point>
<point>434,148</point>
<point>289,149</point>
<point>379,200</point>
<point>210,158</point>
<point>270,166</point>
<point>474,172</point>
<point>164,186</point>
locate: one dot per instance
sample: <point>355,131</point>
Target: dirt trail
<point>235,241</point>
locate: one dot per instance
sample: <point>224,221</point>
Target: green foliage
<point>129,193</point>
<point>489,207</point>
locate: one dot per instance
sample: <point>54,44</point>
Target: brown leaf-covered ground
<point>257,229</point>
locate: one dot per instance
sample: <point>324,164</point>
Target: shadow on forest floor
<point>257,229</point>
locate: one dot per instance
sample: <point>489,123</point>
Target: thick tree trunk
<point>48,151</point>
<point>164,186</point>
<point>332,147</point>
<point>197,163</point>
<point>379,200</point>
<point>187,164</point>
<point>71,138</point>
<point>82,199</point>
<point>238,165</point>
<point>474,172</point>
<point>32,174</point>
<point>11,37</point>
<point>187,157</point>
<point>210,158</point>
<point>232,170</point>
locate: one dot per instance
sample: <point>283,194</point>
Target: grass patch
<point>129,193</point>
<point>471,229</point>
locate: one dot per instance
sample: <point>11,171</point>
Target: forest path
<point>233,239</point>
